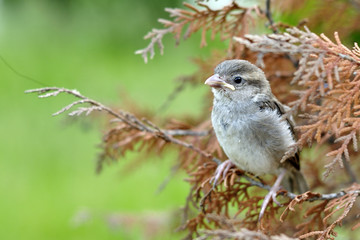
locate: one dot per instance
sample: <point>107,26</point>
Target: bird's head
<point>238,79</point>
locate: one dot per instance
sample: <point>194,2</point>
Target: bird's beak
<point>216,81</point>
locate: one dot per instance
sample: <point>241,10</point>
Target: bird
<point>253,127</point>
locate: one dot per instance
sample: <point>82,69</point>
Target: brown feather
<point>276,106</point>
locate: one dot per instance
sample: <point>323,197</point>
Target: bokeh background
<point>49,189</point>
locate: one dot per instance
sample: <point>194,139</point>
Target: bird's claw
<point>272,194</point>
<point>221,172</point>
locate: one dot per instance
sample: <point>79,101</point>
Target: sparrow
<point>252,127</point>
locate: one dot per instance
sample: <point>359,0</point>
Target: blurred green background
<point>47,175</point>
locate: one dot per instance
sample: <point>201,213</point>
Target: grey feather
<point>250,124</point>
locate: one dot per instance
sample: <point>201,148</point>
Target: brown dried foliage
<point>232,20</point>
<point>325,95</point>
<point>328,73</point>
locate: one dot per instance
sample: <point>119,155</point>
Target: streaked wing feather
<point>277,106</point>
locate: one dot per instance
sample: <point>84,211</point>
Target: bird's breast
<point>252,142</point>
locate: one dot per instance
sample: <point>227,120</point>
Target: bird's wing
<point>264,102</point>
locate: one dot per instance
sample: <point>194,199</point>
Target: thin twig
<point>241,234</point>
<point>180,132</point>
<point>131,120</point>
<point>349,171</point>
<point>172,96</point>
<point>269,16</point>
<point>327,196</point>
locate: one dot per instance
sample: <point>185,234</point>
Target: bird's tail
<point>294,181</point>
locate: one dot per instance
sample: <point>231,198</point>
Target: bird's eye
<point>238,79</point>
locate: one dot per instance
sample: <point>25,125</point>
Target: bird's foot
<point>272,194</point>
<point>221,172</point>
